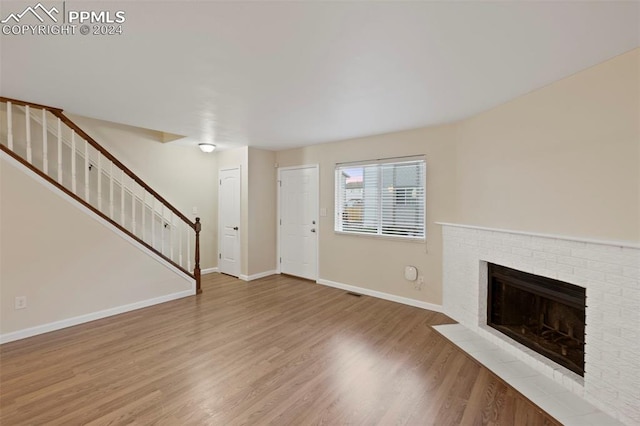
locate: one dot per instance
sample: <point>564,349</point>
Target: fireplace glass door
<point>543,314</point>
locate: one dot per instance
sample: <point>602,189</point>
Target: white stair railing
<point>27,130</point>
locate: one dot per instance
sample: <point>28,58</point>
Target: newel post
<point>196,270</point>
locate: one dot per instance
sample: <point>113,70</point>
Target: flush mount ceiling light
<point>207,147</point>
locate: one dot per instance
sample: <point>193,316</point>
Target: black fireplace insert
<point>546,315</point>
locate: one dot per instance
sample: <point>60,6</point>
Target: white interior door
<point>229,222</point>
<point>299,222</point>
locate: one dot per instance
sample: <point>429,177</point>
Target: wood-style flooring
<point>278,350</point>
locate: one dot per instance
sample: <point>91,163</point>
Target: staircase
<point>46,141</point>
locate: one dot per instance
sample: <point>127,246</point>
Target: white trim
<point>36,177</point>
<point>227,169</point>
<point>278,219</point>
<point>278,239</point>
<point>209,271</point>
<point>381,196</point>
<point>388,160</point>
<point>382,295</point>
<point>399,238</point>
<point>257,276</point>
<point>304,166</point>
<point>628,244</point>
<point>240,223</point>
<point>69,322</point>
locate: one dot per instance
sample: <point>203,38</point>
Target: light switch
<point>195,210</point>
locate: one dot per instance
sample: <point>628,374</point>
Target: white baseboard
<point>208,271</point>
<point>257,276</point>
<point>381,295</point>
<point>69,322</point>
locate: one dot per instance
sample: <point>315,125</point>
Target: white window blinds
<point>384,198</point>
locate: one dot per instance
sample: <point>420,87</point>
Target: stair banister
<point>83,150</point>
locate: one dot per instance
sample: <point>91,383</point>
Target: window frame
<point>340,193</point>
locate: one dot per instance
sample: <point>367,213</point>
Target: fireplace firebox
<point>546,315</point>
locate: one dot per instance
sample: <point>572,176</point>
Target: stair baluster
<point>122,198</point>
<point>45,148</point>
<point>73,162</point>
<point>86,171</point>
<point>100,182</point>
<point>65,177</point>
<point>10,125</point>
<point>59,152</point>
<point>133,206</point>
<point>28,130</point>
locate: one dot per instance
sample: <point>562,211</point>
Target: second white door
<point>299,222</point>
<point>229,222</point>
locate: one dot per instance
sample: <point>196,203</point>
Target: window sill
<point>414,240</point>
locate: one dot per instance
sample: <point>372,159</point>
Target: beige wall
<point>373,263</point>
<point>183,175</point>
<point>564,159</point>
<point>262,211</point>
<point>65,262</point>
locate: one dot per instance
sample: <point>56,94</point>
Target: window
<point>384,197</point>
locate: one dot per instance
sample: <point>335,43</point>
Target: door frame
<point>240,230</point>
<point>316,167</point>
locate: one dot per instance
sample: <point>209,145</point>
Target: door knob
<point>235,228</point>
<point>313,229</point>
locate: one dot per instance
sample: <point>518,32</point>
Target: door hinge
<point>280,221</point>
<point>280,260</point>
<point>219,255</point>
<point>279,183</point>
<point>220,181</point>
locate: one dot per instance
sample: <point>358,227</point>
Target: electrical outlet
<point>21,302</point>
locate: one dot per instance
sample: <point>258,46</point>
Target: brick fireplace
<point>609,274</point>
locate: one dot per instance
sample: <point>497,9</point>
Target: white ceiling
<point>284,74</point>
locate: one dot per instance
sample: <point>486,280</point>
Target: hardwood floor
<point>274,351</point>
